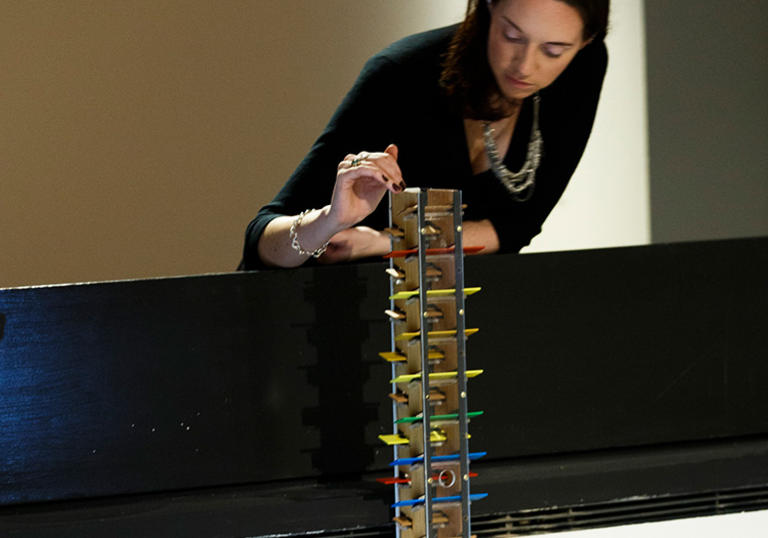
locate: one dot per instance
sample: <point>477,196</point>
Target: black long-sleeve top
<point>398,99</point>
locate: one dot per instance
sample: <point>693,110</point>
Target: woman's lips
<point>517,83</point>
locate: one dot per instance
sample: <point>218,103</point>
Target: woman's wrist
<point>293,237</point>
<point>334,219</point>
<point>313,229</point>
<point>328,223</point>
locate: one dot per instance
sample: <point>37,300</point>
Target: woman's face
<point>530,42</point>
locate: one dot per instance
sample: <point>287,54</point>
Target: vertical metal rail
<point>461,351</point>
<point>393,371</point>
<point>426,423</point>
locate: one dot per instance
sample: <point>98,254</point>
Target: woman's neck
<point>473,130</point>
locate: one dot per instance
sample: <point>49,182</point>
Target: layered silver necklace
<point>520,184</point>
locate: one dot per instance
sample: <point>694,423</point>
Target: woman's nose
<point>524,61</point>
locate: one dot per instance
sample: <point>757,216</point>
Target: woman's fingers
<point>347,162</point>
<point>368,170</point>
<point>379,166</point>
<point>361,181</point>
<point>362,169</point>
<point>387,161</point>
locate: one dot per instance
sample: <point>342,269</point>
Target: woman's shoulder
<point>416,59</point>
<point>592,58</point>
<point>595,54</point>
<point>583,76</point>
<point>421,47</point>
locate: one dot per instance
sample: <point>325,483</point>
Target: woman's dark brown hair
<point>467,76</point>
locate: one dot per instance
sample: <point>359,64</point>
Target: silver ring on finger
<point>355,162</point>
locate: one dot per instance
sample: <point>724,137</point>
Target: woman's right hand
<point>361,181</point>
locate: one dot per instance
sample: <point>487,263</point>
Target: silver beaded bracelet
<point>294,236</point>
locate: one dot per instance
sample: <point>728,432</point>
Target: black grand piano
<point>620,385</point>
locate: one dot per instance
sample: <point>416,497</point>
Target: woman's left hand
<point>355,243</point>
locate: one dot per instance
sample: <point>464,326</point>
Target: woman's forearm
<point>275,245</point>
<point>481,233</point>
<point>316,228</point>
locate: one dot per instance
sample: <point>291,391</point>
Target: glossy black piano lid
<point>207,381</point>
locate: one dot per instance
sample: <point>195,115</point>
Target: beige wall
<point>138,137</point>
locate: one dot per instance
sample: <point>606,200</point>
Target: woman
<point>513,88</point>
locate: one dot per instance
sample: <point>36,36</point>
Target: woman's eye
<point>512,34</point>
<point>553,51</point>
<point>514,38</point>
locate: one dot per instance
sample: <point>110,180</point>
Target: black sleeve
<point>364,121</point>
<point>567,113</point>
